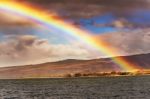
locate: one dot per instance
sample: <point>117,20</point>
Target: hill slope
<point>53,69</point>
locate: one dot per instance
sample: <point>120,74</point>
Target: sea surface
<point>126,87</point>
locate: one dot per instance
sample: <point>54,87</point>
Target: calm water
<point>77,88</point>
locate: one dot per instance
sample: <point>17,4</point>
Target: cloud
<point>123,10</point>
<point>129,42</point>
<point>28,49</point>
<point>118,23</point>
<point>8,19</point>
<point>90,8</point>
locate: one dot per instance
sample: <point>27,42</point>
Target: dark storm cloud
<point>89,8</point>
<point>77,9</point>
<point>74,10</point>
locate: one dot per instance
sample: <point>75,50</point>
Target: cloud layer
<point>129,42</point>
<point>89,8</point>
<point>28,49</point>
<point>75,9</point>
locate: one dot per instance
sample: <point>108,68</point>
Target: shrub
<point>68,75</point>
<point>77,75</point>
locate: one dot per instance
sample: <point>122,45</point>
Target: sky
<point>124,24</point>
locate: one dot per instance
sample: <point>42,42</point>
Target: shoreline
<point>40,78</point>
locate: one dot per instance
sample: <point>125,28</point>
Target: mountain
<point>71,66</point>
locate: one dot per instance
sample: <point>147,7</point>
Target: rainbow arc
<point>46,20</point>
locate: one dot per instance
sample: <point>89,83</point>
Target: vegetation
<point>113,73</point>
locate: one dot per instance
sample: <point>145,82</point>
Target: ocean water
<point>127,87</point>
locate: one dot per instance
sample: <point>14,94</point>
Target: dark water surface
<point>135,87</point>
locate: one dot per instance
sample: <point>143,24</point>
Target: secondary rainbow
<point>46,20</point>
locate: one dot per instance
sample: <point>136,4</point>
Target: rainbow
<point>46,20</point>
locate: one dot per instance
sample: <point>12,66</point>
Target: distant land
<point>75,68</point>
